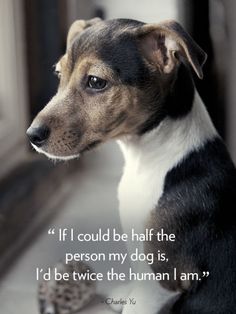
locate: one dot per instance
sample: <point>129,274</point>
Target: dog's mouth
<point>69,155</point>
<point>55,156</point>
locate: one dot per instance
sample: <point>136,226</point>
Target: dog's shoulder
<point>198,206</point>
<point>205,179</point>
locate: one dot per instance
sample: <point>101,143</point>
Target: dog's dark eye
<point>95,82</point>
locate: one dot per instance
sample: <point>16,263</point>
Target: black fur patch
<point>198,205</point>
<point>179,101</point>
<point>176,104</point>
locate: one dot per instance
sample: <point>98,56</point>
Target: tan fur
<point>78,119</point>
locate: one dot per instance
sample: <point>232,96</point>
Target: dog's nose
<point>38,135</point>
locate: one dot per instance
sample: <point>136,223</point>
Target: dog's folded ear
<point>77,27</point>
<point>167,43</point>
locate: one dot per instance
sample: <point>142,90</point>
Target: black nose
<point>39,135</point>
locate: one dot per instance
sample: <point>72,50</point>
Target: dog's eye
<point>95,82</point>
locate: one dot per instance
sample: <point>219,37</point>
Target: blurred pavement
<point>93,204</point>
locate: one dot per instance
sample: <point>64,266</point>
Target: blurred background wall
<point>33,36</point>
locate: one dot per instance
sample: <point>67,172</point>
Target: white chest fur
<point>147,161</point>
<point>150,157</point>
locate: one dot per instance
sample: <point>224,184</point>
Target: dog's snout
<point>38,135</point>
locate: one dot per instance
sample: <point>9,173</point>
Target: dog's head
<point>113,77</point>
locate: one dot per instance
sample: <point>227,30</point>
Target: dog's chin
<point>55,157</point>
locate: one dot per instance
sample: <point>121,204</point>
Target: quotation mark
<point>205,273</point>
<point>51,231</point>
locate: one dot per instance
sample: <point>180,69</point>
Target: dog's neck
<point>171,140</point>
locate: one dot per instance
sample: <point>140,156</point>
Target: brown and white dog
<point>130,81</point>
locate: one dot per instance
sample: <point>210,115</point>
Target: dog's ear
<point>167,43</point>
<point>77,27</point>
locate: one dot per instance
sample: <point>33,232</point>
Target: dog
<point>133,82</point>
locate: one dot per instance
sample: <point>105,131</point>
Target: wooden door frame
<point>13,100</point>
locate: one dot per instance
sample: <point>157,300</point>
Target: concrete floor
<point>93,204</point>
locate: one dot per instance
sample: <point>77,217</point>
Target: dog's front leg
<point>139,296</point>
<point>146,296</point>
